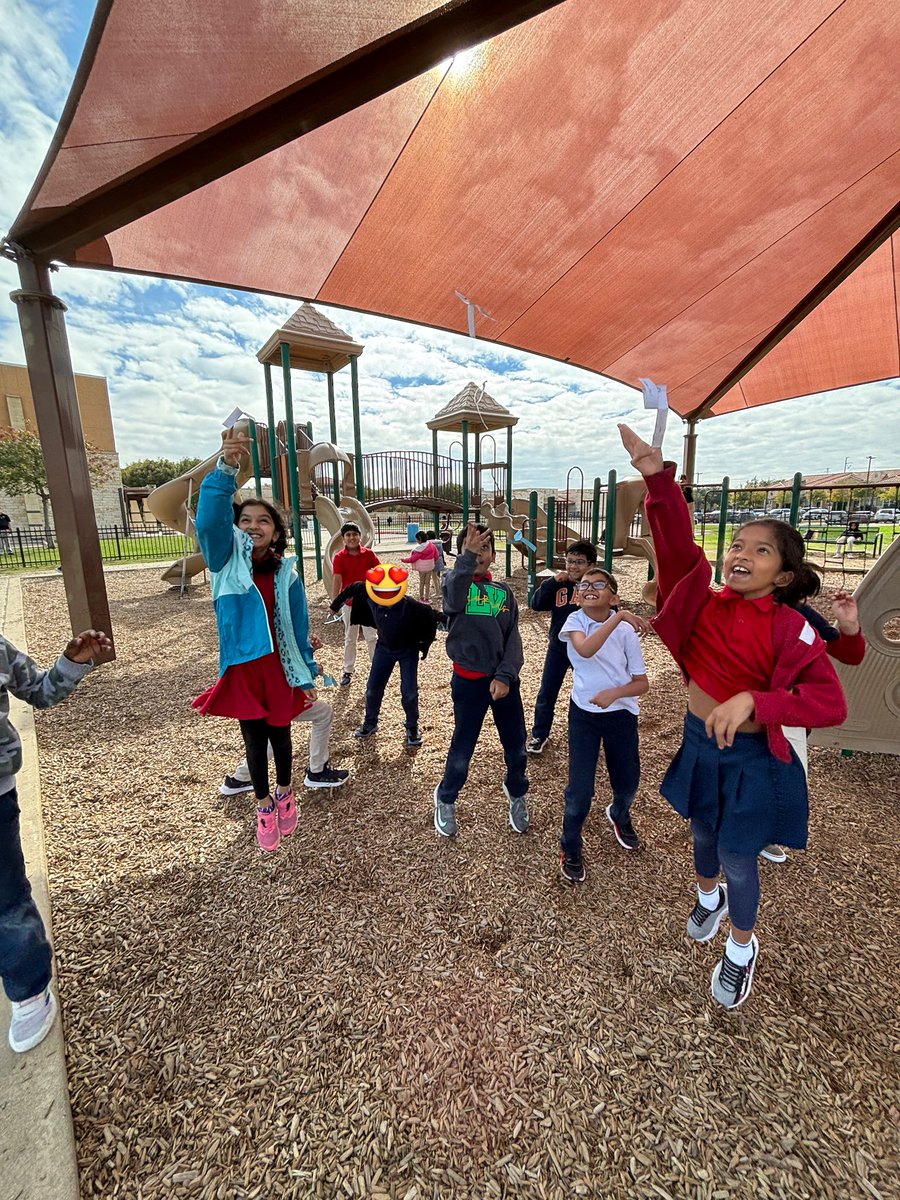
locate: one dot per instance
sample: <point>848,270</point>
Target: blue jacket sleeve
<point>215,515</point>
<point>300,621</point>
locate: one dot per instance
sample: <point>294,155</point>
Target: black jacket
<point>400,626</point>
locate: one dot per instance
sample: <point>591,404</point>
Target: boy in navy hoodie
<point>485,647</point>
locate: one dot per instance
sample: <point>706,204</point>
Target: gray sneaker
<point>703,923</point>
<point>731,984</point>
<point>518,812</point>
<point>32,1020</point>
<point>444,817</point>
<point>773,854</point>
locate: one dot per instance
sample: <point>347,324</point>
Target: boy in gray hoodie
<point>25,954</point>
<point>486,649</point>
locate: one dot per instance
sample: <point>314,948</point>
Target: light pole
<point>869,468</point>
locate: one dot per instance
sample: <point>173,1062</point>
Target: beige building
<point>17,412</point>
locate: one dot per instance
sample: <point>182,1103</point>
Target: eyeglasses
<point>576,562</point>
<point>594,585</point>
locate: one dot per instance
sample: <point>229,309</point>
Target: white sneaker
<point>32,1020</point>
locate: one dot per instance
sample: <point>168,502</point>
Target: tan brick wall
<point>16,404</point>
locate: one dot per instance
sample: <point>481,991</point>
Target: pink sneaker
<point>287,812</point>
<point>267,829</point>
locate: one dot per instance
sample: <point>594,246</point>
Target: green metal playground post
<point>293,481</point>
<point>595,511</point>
<point>532,534</point>
<point>509,495</point>
<point>551,531</point>
<point>317,535</point>
<point>477,476</point>
<point>357,437</point>
<point>254,452</point>
<point>273,442</point>
<point>795,499</point>
<point>465,472</point>
<point>332,429</point>
<point>609,537</point>
<point>723,521</point>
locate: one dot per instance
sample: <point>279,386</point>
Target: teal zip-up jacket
<point>244,633</point>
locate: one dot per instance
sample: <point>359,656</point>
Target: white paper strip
<point>656,396</point>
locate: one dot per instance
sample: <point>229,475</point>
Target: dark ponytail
<point>791,547</point>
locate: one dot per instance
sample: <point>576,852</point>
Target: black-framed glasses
<point>591,585</point>
<point>576,562</point>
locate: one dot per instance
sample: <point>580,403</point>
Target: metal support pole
<point>465,472</point>
<point>532,534</point>
<point>509,494</point>
<point>723,521</point>
<point>434,463</point>
<point>273,441</point>
<point>551,531</point>
<point>476,499</point>
<point>595,511</point>
<point>609,539</point>
<point>254,453</point>
<point>62,442</point>
<point>796,488</point>
<point>357,437</point>
<point>689,459</point>
<point>293,480</point>
<point>317,533</point>
<point>332,430</point>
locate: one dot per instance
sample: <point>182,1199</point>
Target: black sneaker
<point>624,831</point>
<point>731,984</point>
<point>345,679</point>
<point>327,777</point>
<point>365,730</point>
<point>572,868</point>
<point>234,786</point>
<point>413,738</point>
<point>536,745</point>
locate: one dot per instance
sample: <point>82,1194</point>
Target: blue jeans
<point>471,701</point>
<point>383,663</point>
<point>741,873</point>
<point>25,955</point>
<point>617,732</point>
<point>556,664</point>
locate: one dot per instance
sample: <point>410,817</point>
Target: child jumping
<point>608,676</point>
<point>556,595</point>
<point>350,566</point>
<point>485,647</point>
<point>752,664</point>
<point>266,662</point>
<point>26,960</point>
<point>425,559</point>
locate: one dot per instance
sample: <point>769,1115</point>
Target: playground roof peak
<point>472,404</point>
<point>315,342</point>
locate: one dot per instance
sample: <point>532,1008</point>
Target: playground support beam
<point>509,495</point>
<point>254,454</point>
<point>595,511</point>
<point>551,532</point>
<point>723,521</point>
<point>293,481</point>
<point>689,459</point>
<point>464,430</point>
<point>532,536</point>
<point>795,499</point>
<point>273,440</point>
<point>332,429</point>
<point>434,461</point>
<point>609,539</point>
<point>317,535</point>
<point>52,379</point>
<point>357,436</point>
<point>476,478</point>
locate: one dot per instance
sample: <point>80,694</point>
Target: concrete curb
<point>37,1140</point>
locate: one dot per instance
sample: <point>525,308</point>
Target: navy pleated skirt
<point>743,791</point>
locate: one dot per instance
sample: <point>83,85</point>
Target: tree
<point>22,470</point>
<point>153,472</point>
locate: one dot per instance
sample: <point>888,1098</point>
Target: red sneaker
<point>267,829</point>
<point>287,812</point>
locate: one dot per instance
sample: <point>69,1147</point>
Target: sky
<point>180,357</point>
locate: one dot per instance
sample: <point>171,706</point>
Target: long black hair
<point>791,547</point>
<point>278,545</point>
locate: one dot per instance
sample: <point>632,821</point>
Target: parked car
<point>814,514</point>
<point>888,516</point>
<point>779,514</point>
<point>838,516</point>
<point>862,514</point>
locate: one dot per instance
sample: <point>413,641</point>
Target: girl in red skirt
<point>266,659</point>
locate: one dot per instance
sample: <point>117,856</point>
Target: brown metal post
<point>62,440</point>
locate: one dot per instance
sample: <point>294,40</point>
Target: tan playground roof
<point>314,342</point>
<point>661,190</point>
<point>472,404</point>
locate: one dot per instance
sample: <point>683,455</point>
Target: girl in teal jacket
<point>267,667</point>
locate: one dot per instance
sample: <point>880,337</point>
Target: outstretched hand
<point>90,644</point>
<point>475,541</point>
<point>234,447</point>
<point>639,624</point>
<point>644,458</point>
<point>846,612</point>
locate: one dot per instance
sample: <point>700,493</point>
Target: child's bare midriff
<point>701,704</point>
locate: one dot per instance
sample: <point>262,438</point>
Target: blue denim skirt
<point>743,792</point>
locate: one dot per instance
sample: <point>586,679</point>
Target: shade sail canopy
<point>663,190</point>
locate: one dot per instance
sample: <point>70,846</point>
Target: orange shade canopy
<point>700,193</point>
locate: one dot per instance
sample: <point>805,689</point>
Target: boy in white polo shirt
<point>609,674</point>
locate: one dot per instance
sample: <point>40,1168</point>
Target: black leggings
<point>257,735</point>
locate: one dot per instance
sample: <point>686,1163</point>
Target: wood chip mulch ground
<point>377,1012</point>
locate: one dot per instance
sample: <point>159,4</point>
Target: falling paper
<point>656,395</point>
<point>233,417</point>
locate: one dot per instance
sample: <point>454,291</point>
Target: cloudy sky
<point>180,357</point>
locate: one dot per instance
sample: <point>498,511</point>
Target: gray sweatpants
<point>320,716</point>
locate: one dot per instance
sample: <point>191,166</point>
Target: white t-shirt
<point>614,664</point>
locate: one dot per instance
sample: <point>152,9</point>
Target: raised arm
<point>215,514</point>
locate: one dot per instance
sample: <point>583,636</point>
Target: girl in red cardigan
<point>752,665</point>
